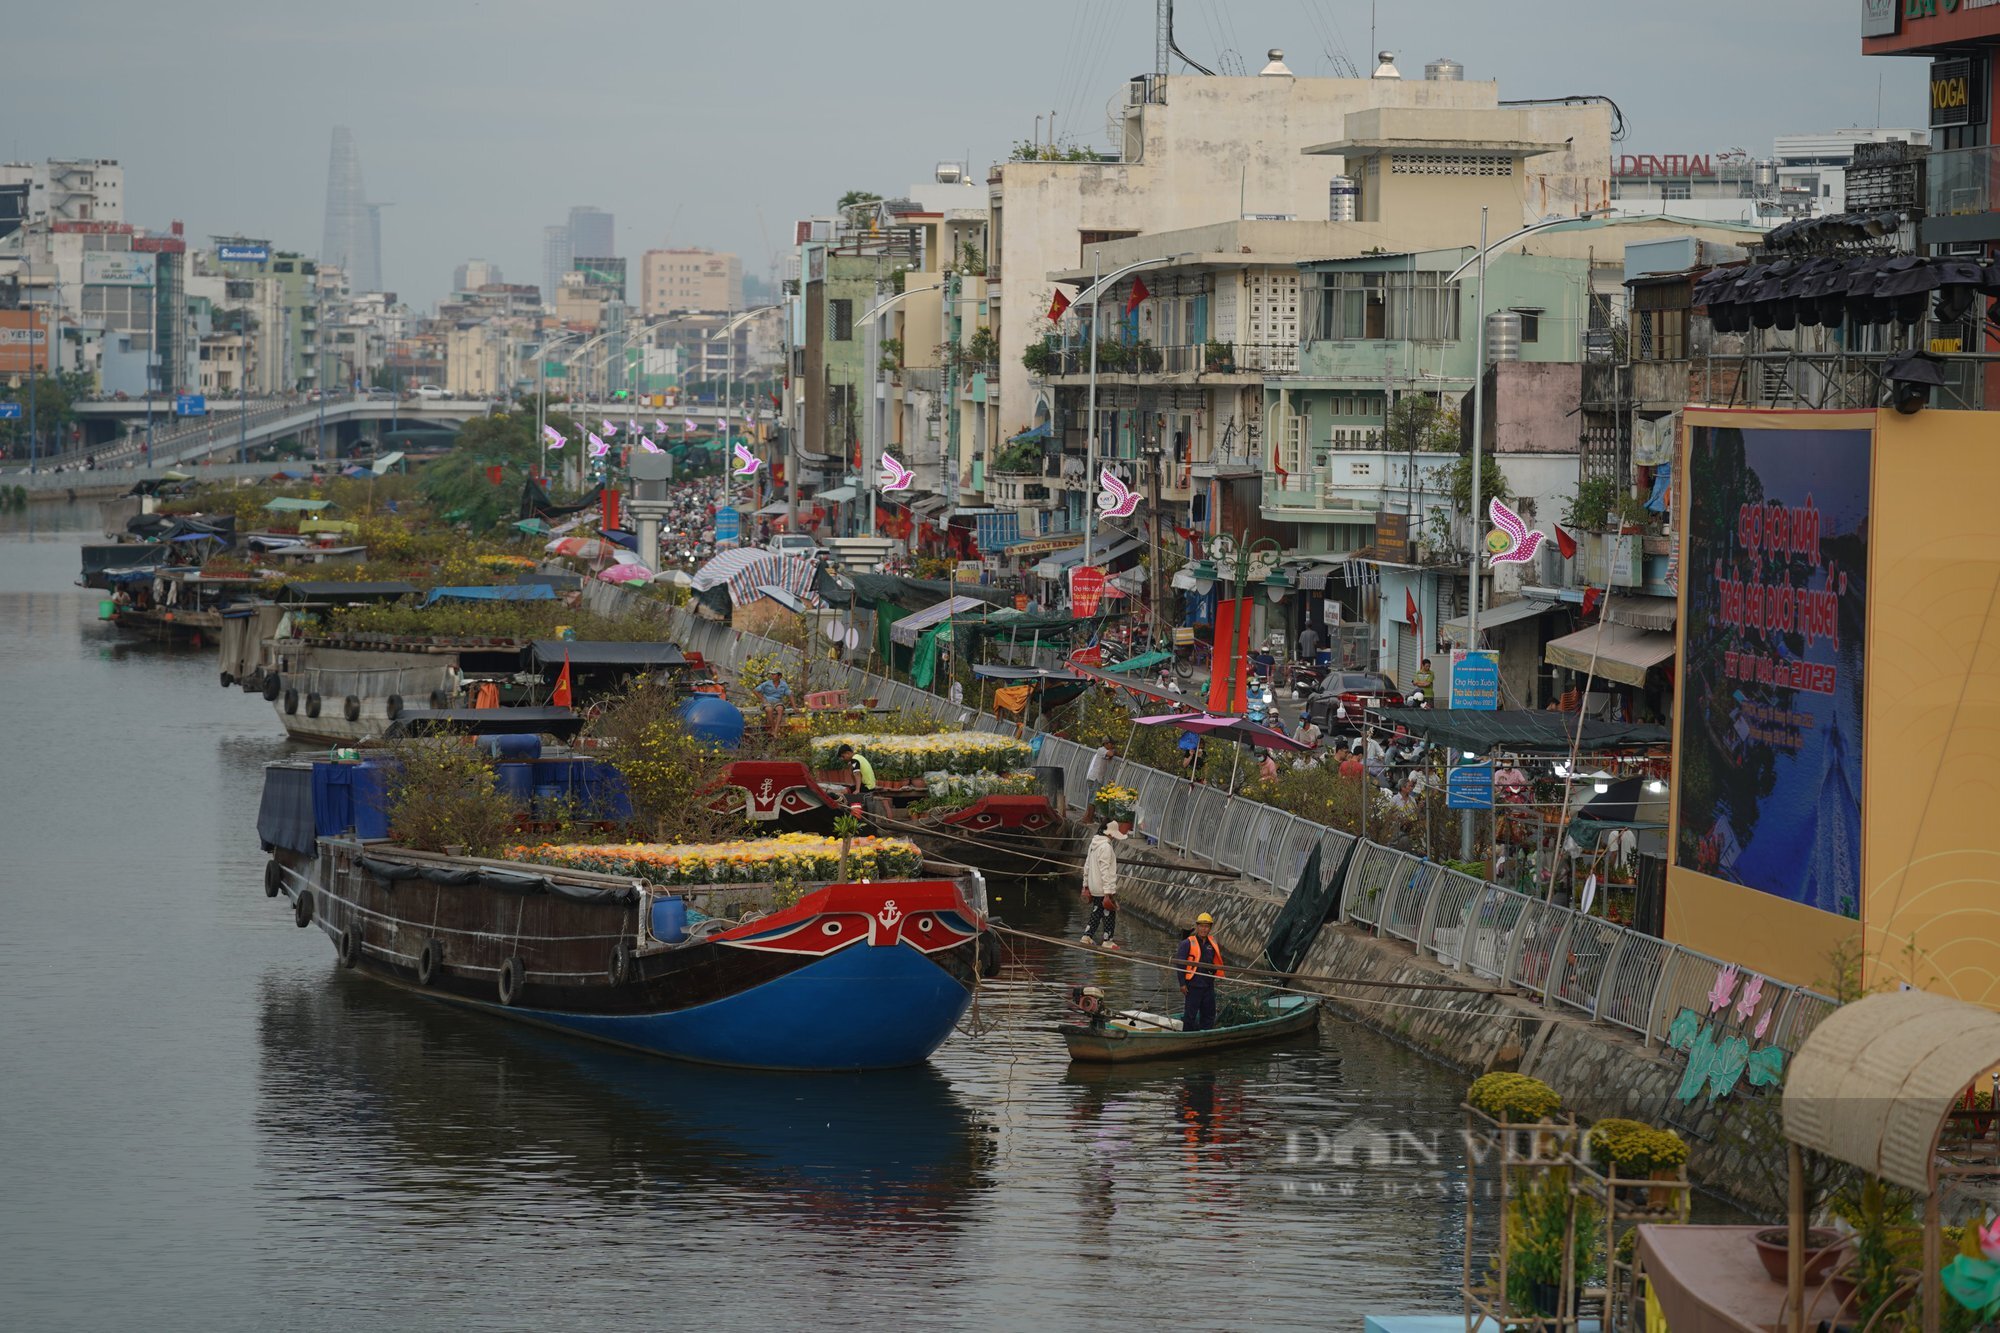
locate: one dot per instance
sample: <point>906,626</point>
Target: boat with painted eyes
<point>678,952</point>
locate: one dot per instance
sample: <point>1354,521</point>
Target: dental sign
<point>1955,96</point>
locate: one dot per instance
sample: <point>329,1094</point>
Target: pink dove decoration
<point>648,445</point>
<point>895,477</point>
<point>1725,986</point>
<point>687,426</point>
<point>610,428</point>
<point>1511,542</point>
<point>659,425</point>
<point>748,460</point>
<point>554,437</point>
<point>598,448</point>
<point>1115,498</point>
<point>1764,1023</point>
<point>1746,1003</point>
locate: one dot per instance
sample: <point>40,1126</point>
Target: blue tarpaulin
<point>504,592</point>
<point>351,798</point>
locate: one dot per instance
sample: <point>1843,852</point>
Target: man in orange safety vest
<point>1200,960</point>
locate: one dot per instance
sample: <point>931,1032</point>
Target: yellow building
<point>1839,713</point>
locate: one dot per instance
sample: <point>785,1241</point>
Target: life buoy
<point>312,705</point>
<point>440,700</point>
<point>430,962</point>
<point>394,707</point>
<point>350,946</point>
<point>351,709</point>
<point>274,875</point>
<point>227,680</point>
<point>621,962</point>
<point>291,701</point>
<point>302,909</point>
<point>273,687</point>
<point>513,975</point>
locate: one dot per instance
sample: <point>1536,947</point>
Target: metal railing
<point>1560,957</point>
<point>1197,359</point>
<point>1964,181</point>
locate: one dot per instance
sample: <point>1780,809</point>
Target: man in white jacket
<point>1100,883</point>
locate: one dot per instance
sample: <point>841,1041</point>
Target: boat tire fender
<point>621,962</point>
<point>394,706</point>
<point>312,705</point>
<point>351,709</point>
<point>302,909</point>
<point>291,701</point>
<point>440,701</point>
<point>273,687</point>
<point>513,974</point>
<point>350,946</point>
<point>228,679</point>
<point>274,875</point>
<point>430,962</point>
<point>987,949</point>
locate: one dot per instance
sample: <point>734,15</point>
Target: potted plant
<point>1040,358</point>
<point>1219,357</point>
<point>1540,1232</point>
<point>1634,1150</point>
<point>1513,1098</point>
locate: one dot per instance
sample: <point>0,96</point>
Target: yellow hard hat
<point>1204,920</point>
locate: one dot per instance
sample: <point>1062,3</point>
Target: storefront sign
<point>1045,545</point>
<point>1086,590</point>
<point>117,268</point>
<point>1392,536</point>
<point>1955,96</point>
<point>1646,165</point>
<point>1878,17</point>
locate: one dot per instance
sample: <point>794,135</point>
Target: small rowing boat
<point>1121,1040</point>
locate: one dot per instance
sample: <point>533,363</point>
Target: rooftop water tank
<point>950,173</point>
<point>1444,70</point>
<point>1503,337</point>
<point>1343,199</point>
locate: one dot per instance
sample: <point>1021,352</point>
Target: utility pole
<point>948,453</point>
<point>1156,454</point>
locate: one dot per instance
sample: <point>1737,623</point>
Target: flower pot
<point>1824,1251</point>
<point>1544,1298</point>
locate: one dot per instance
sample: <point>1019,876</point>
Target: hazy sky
<point>483,120</point>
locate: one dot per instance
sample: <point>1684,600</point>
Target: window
<point>1531,325</point>
<point>1415,307</point>
<point>842,311</point>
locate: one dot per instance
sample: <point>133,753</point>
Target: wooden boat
<point>1009,837</point>
<point>1120,1041</point>
<point>850,976</point>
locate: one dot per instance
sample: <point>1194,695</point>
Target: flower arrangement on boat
<point>1116,802</point>
<point>787,858</point>
<point>903,757</point>
<point>955,791</point>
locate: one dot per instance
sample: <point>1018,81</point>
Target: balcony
<point>1354,485</point>
<point>1964,196</point>
<point>1220,363</point>
<point>1021,490</point>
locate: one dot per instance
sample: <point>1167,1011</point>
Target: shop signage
<point>1086,590</point>
<point>1392,536</point>
<point>1670,164</point>
<point>1878,17</point>
<point>117,268</point>
<point>1475,679</point>
<point>1955,96</point>
<point>1046,546</point>
<point>243,254</point>
<point>1469,787</point>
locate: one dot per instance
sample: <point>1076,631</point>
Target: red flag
<point>1410,612</point>
<point>495,473</point>
<point>1139,293</point>
<point>561,697</point>
<point>1565,543</point>
<point>776,402</point>
<point>1278,458</point>
<point>1590,596</point>
<point>1057,306</point>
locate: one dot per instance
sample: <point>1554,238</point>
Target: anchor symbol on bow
<point>890,913</point>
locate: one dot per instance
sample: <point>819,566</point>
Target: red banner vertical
<point>1229,665</point>
<point>610,516</point>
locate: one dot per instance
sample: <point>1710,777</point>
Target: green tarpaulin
<point>923,660</point>
<point>1143,662</point>
<point>285,504</point>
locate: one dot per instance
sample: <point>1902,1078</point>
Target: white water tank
<point>1444,70</point>
<point>1503,337</point>
<point>1343,199</point>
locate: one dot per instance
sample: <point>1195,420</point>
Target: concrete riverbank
<point>1600,1071</point>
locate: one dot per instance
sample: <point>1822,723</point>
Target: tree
<point>1492,484</point>
<point>459,482</point>
<point>853,197</point>
<point>1419,422</point>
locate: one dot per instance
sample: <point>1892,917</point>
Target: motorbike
<point>1305,678</point>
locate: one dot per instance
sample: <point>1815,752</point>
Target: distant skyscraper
<point>556,254</point>
<point>353,237</point>
<point>474,274</point>
<point>590,232</point>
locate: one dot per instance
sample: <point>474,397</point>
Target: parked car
<point>1356,691</point>
<point>430,391</point>
<point>792,543</point>
<point>381,395</point>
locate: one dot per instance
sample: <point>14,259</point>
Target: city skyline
<point>438,151</point>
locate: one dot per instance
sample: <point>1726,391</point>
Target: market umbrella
<point>629,572</point>
<point>534,526</point>
<point>580,548</point>
<point>1229,728</point>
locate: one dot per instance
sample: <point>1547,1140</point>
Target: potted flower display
<point>1634,1150</point>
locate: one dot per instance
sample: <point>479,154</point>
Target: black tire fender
<point>621,962</point>
<point>228,679</point>
<point>291,701</point>
<point>302,909</point>
<point>986,947</point>
<point>312,705</point>
<point>274,686</point>
<point>430,962</point>
<point>513,975</point>
<point>394,707</point>
<point>350,946</point>
<point>351,709</point>
<point>274,877</point>
<point>440,701</point>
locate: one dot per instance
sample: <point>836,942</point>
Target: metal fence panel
<point>1537,937</point>
<point>1491,928</point>
<point>1260,854</point>
<point>1406,912</point>
<point>1370,876</point>
<point>1689,979</point>
<point>1580,971</point>
<point>1797,1022</point>
<point>1455,902</point>
<point>1628,1000</point>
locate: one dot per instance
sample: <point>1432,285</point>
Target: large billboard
<point>1770,718</point>
<point>24,341</point>
<point>118,268</point>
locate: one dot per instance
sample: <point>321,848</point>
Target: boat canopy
<point>606,653</point>
<point>333,591</point>
<point>501,592</point>
<point>288,504</point>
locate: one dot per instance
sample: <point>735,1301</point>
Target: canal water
<point>207,1124</point>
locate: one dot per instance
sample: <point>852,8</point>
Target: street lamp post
<point>728,330</point>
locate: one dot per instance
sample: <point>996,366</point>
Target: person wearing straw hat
<point>1199,958</point>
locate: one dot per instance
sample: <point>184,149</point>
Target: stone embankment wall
<point>1601,1071</point>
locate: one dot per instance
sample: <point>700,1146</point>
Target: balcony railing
<point>1193,359</point>
<point>1965,181</point>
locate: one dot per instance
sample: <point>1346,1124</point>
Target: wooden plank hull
<point>1118,1045</point>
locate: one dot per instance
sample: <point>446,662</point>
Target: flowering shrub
<point>788,858</point>
<point>1117,802</point>
<point>905,757</point>
<point>955,791</point>
<point>1635,1148</point>
<point>1514,1097</point>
